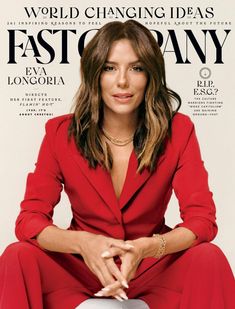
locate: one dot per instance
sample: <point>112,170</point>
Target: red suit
<point>198,278</point>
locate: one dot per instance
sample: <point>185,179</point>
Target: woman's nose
<point>122,79</point>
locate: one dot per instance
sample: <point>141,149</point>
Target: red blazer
<point>144,198</point>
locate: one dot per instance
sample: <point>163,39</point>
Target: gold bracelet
<point>161,250</point>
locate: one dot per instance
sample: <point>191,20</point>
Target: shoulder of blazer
<point>181,124</point>
<point>182,129</point>
<point>54,124</point>
<point>57,129</point>
<point>181,121</point>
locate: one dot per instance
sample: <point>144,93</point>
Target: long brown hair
<point>155,112</point>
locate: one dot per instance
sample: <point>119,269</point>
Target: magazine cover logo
<point>168,42</point>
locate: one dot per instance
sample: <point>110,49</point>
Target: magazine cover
<point>41,46</point>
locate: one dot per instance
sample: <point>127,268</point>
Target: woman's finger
<point>118,298</point>
<point>123,246</point>
<point>101,277</point>
<point>122,294</point>
<point>129,266</point>
<point>103,273</point>
<point>112,290</point>
<point>115,271</point>
<point>111,252</point>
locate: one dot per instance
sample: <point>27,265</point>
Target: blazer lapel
<point>133,182</point>
<point>99,178</point>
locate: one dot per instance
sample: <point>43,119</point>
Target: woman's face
<point>123,79</point>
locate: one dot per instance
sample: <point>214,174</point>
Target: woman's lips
<point>123,97</point>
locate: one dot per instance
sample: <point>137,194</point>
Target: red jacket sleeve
<point>43,190</point>
<point>190,184</point>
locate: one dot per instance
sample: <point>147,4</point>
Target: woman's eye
<point>138,68</point>
<point>108,68</point>
<point>111,68</point>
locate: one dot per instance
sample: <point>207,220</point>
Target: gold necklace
<point>116,141</point>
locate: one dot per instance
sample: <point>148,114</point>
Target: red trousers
<point>198,278</point>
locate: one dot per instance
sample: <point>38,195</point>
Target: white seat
<point>112,304</point>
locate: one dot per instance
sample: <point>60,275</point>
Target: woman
<point>118,157</point>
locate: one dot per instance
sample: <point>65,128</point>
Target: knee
<point>207,248</point>
<point>17,250</point>
<point>207,253</point>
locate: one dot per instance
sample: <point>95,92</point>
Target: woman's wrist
<point>148,246</point>
<point>77,239</point>
<point>162,247</point>
<point>53,238</point>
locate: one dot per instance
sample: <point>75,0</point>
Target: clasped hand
<point>98,253</point>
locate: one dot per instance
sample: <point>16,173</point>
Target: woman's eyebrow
<point>114,62</point>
